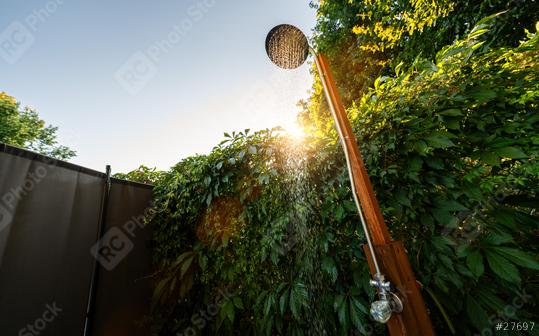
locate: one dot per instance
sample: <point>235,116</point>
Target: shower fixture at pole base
<point>382,310</point>
<point>396,266</point>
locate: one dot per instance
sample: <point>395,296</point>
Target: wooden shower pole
<point>394,263</point>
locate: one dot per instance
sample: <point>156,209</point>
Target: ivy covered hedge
<point>451,146</point>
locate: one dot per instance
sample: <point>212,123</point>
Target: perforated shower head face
<point>287,46</point>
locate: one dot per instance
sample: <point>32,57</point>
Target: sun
<point>294,130</point>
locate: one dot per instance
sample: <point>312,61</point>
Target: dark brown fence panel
<point>50,212</point>
<point>49,223</point>
<point>123,290</point>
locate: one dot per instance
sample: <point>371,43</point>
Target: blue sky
<point>149,82</point>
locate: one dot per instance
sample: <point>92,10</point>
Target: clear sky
<point>149,82</point>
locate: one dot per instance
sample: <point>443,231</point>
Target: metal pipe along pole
<point>323,79</point>
<point>414,318</point>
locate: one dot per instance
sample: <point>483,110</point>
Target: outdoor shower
<point>289,48</point>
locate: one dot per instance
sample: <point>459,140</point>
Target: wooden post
<point>394,264</point>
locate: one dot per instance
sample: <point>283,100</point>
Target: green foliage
<point>451,147</point>
<point>142,174</point>
<point>450,144</point>
<point>366,38</point>
<point>23,128</point>
<point>251,213</point>
<point>381,30</point>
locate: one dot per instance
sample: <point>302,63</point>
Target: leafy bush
<point>362,37</point>
<point>22,127</point>
<point>142,174</point>
<point>451,147</point>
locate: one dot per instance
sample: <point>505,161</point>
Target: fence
<point>54,278</point>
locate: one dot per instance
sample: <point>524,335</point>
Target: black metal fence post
<point>90,309</point>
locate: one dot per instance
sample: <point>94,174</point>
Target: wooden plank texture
<point>394,264</point>
<point>371,209</point>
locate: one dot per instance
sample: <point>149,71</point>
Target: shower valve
<point>389,302</point>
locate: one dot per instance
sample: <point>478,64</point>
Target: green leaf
<point>159,291</point>
<point>451,112</point>
<point>464,270</point>
<point>478,316</point>
<point>338,301</point>
<point>446,261</point>
<point>443,212</point>
<point>444,217</point>
<point>328,266</point>
<point>270,301</point>
<point>228,310</point>
<point>500,142</point>
<point>452,123</point>
<point>237,302</point>
<point>449,51</point>
<point>298,298</point>
<point>439,140</point>
<point>503,268</point>
<point>339,212</point>
<point>401,197</point>
<point>482,94</point>
<point>464,250</point>
<point>434,162</point>
<point>486,21</point>
<point>186,264</point>
<point>342,313</point>
<point>490,158</point>
<point>519,257</point>
<point>357,312</point>
<point>450,205</point>
<point>478,32</point>
<point>441,284</point>
<point>283,301</point>
<point>489,299</point>
<point>497,239</point>
<point>421,147</point>
<point>511,152</point>
<point>475,263</point>
<point>442,243</point>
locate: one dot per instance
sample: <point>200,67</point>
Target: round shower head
<point>287,46</point>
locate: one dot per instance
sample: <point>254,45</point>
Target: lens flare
<point>295,131</point>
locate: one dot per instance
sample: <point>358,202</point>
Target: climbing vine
<point>451,145</point>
